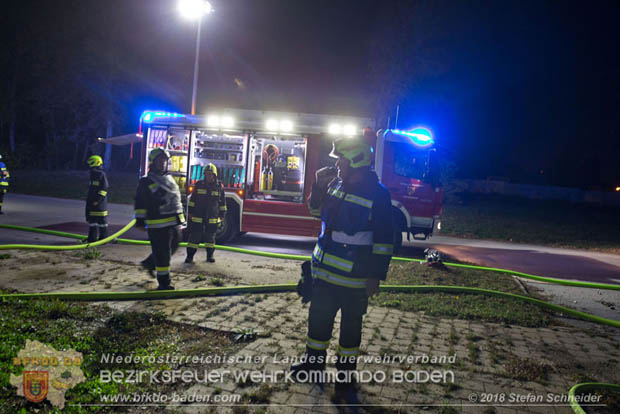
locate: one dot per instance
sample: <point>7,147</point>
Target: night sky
<point>526,90</point>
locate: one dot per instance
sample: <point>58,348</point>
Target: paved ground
<point>490,359</point>
<point>67,215</point>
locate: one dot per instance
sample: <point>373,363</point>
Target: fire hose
<point>233,290</point>
<point>114,238</point>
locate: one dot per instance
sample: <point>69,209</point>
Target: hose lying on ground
<point>302,257</point>
<point>588,386</point>
<point>58,233</point>
<point>232,290</point>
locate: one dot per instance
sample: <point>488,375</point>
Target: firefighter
<point>158,209</point>
<point>206,208</point>
<point>351,256</point>
<point>4,181</point>
<point>97,200</point>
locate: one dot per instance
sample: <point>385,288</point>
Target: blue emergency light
<point>420,136</point>
<point>149,116</point>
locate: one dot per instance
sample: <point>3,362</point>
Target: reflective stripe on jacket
<point>4,176</point>
<point>207,204</point>
<point>158,202</point>
<point>356,239</point>
<point>97,197</point>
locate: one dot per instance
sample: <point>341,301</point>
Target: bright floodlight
<point>349,130</point>
<point>286,125</point>
<point>227,122</point>
<point>271,125</point>
<point>194,9</point>
<point>213,121</point>
<point>335,129</point>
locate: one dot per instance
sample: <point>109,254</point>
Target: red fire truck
<point>267,160</point>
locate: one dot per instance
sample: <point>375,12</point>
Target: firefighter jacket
<point>356,239</point>
<point>207,204</point>
<point>158,202</point>
<point>97,198</point>
<point>4,177</point>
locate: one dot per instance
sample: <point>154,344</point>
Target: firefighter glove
<point>304,286</point>
<point>325,175</point>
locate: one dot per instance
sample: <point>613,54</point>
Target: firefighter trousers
<point>97,228</point>
<point>2,192</point>
<point>201,233</point>
<point>327,299</point>
<point>164,242</point>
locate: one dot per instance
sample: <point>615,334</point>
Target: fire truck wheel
<point>229,229</point>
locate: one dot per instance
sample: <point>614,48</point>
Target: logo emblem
<point>36,385</point>
<point>411,189</point>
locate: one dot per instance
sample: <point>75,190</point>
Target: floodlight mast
<point>192,10</point>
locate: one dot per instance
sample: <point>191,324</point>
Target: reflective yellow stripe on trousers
<point>339,280</point>
<point>316,344</point>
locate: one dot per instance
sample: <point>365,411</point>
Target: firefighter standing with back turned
<point>158,208</point>
<point>4,181</point>
<point>97,200</point>
<point>351,256</point>
<point>207,208</point>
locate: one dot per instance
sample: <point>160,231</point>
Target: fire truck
<point>267,163</point>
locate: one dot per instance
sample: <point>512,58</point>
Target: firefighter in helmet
<point>351,256</point>
<point>4,181</point>
<point>206,208</point>
<point>158,209</point>
<point>97,200</point>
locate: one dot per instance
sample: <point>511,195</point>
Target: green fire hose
<point>588,386</point>
<point>62,234</point>
<point>288,287</point>
<point>233,290</point>
<point>285,256</point>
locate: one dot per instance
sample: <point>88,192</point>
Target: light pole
<point>195,10</point>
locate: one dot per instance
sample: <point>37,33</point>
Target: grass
<point>72,184</point>
<point>95,330</point>
<point>541,222</point>
<point>90,253</point>
<point>526,369</point>
<point>461,306</point>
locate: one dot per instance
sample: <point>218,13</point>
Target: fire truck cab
<point>266,162</point>
<point>406,163</point>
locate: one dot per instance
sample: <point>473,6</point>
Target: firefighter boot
<point>345,381</point>
<point>92,234</point>
<point>103,232</point>
<point>311,369</point>
<point>148,264</point>
<point>210,251</point>
<point>190,255</point>
<point>164,282</point>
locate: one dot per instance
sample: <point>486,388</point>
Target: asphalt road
<point>68,215</point>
